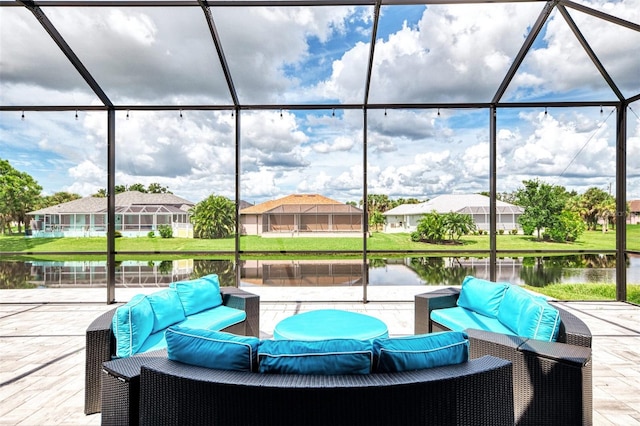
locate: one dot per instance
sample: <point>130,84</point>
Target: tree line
<point>550,210</point>
<point>20,194</point>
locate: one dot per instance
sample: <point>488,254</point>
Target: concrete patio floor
<point>42,345</point>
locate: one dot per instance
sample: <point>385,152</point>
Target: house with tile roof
<point>405,218</point>
<point>301,214</point>
<point>136,214</point>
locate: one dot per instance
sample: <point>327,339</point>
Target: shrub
<point>165,231</point>
<point>151,234</point>
<point>566,228</point>
<point>500,231</point>
<point>117,234</point>
<point>514,231</point>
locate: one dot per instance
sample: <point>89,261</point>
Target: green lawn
<point>590,241</point>
<point>589,291</point>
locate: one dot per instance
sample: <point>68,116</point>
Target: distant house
<point>405,218</point>
<point>634,212</point>
<point>311,214</point>
<point>136,214</point>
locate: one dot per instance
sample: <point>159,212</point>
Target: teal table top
<point>324,324</point>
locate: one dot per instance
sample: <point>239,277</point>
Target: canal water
<point>428,271</point>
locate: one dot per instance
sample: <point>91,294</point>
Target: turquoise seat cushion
<point>540,321</point>
<point>167,308</point>
<point>132,324</point>
<point>212,349</point>
<point>215,319</point>
<point>199,294</point>
<point>481,296</point>
<point>420,351</point>
<point>459,319</point>
<point>326,357</point>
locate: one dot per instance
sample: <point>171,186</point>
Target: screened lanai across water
<point>253,100</point>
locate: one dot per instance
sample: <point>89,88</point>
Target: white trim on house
<point>405,218</point>
<point>136,214</point>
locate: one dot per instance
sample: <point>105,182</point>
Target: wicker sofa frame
<point>478,392</point>
<point>552,381</point>
<point>101,347</point>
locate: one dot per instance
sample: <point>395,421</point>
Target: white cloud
<point>452,53</point>
<point>563,65</point>
<point>341,143</point>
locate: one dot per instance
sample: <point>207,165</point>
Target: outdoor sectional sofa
<point>213,378</point>
<point>552,369</point>
<point>138,326</point>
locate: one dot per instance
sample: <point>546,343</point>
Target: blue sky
<point>443,53</point>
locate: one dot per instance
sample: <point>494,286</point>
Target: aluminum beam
<point>372,50</point>
<point>493,227</point>
<point>601,15</point>
<point>111,206</point>
<point>66,49</point>
<point>253,3</point>
<point>590,52</point>
<point>621,202</point>
<point>531,37</point>
<point>216,41</point>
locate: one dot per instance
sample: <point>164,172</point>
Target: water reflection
<point>301,273</point>
<point>534,271</point>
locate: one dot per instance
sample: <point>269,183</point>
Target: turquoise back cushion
<point>167,309</point>
<point>515,301</point>
<point>528,315</point>
<point>420,351</point>
<point>131,325</point>
<point>212,349</point>
<point>481,296</point>
<point>327,357</point>
<point>540,321</point>
<point>199,294</point>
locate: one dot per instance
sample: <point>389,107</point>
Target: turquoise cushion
<point>324,324</point>
<point>481,296</point>
<point>132,324</point>
<point>154,342</point>
<point>421,351</point>
<point>215,319</point>
<point>327,357</point>
<point>211,349</point>
<point>515,301</point>
<point>539,321</point>
<point>198,295</point>
<point>459,319</point>
<point>167,308</point>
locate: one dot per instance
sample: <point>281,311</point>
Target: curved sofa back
<point>476,392</point>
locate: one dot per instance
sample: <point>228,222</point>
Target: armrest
<point>551,381</point>
<point>250,303</point>
<point>482,342</point>
<point>100,345</point>
<point>427,302</point>
<point>572,330</point>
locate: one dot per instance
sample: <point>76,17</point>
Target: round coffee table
<point>330,324</point>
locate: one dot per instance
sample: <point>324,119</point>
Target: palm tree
<point>458,224</point>
<point>606,209</point>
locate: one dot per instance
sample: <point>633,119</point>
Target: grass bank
<point>591,291</point>
<point>592,241</point>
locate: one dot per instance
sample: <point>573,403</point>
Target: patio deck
<point>42,338</point>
